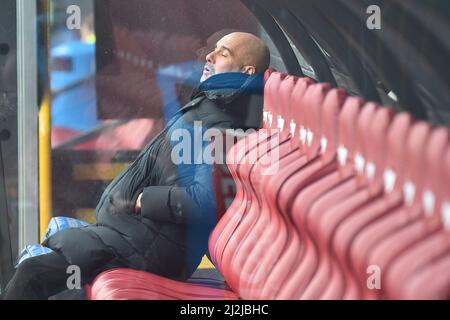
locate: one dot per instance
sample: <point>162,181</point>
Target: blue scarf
<point>228,86</point>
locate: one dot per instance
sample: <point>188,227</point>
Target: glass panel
<point>118,71</point>
<point>119,78</point>
<point>8,140</point>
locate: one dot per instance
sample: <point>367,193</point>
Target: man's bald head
<point>251,50</point>
<point>238,52</point>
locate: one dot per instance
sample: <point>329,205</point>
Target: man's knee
<point>81,248</point>
<point>25,276</point>
<point>34,266</point>
<point>28,267</point>
<point>38,277</point>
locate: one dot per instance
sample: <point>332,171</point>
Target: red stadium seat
<point>267,74</point>
<point>246,223</point>
<point>295,111</point>
<point>316,246</point>
<point>282,116</point>
<point>125,284</point>
<point>393,227</point>
<point>433,281</point>
<point>228,223</point>
<point>303,201</point>
<point>246,285</point>
<point>360,195</point>
<point>254,285</point>
<point>271,88</point>
<point>427,244</point>
<point>389,178</point>
<point>289,258</point>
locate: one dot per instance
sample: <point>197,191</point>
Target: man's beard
<point>211,71</point>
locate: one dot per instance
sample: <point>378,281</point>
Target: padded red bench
<point>347,200</point>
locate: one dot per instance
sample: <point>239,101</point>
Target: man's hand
<point>137,207</point>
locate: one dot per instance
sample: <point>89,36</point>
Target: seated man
<point>158,213</point>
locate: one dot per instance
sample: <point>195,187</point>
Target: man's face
<point>224,58</point>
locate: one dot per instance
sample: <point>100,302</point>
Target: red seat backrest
<point>285,92</point>
<point>377,149</point>
<point>396,156</point>
<point>271,101</point>
<point>331,109</point>
<point>296,112</point>
<point>267,74</point>
<point>444,186</point>
<point>434,156</point>
<point>309,123</point>
<point>348,125</point>
<point>415,164</point>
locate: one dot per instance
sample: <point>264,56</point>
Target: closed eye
<point>224,51</point>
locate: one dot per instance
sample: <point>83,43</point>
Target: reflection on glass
<point>119,79</point>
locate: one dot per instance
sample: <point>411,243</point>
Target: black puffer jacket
<point>178,213</point>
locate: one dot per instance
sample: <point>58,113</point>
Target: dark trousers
<point>44,276</point>
<point>41,277</point>
<point>38,278</point>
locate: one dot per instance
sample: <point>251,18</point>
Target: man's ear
<point>249,70</point>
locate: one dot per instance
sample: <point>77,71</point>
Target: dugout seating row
<point>337,198</point>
